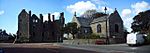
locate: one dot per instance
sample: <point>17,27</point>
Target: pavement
<point>39,48</point>
<point>45,50</point>
<point>28,45</point>
<point>112,48</point>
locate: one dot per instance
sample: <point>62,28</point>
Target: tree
<point>88,13</point>
<point>141,22</point>
<point>4,32</point>
<point>66,30</point>
<point>92,14</point>
<point>0,30</point>
<point>71,27</point>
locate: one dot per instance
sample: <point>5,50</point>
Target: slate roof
<point>99,19</point>
<point>84,22</point>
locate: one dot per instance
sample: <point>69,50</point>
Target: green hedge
<point>91,36</point>
<point>148,39</point>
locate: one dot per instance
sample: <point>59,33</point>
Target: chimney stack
<point>49,17</point>
<point>53,17</point>
<point>62,19</point>
<point>30,13</point>
<point>62,14</point>
<point>41,17</point>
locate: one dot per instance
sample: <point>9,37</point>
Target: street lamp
<point>107,37</point>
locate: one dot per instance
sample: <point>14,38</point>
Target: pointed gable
<point>34,16</point>
<point>115,16</point>
<point>75,19</point>
<point>23,12</point>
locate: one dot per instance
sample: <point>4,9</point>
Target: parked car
<point>99,42</point>
<point>135,39</point>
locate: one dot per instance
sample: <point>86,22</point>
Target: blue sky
<point>9,9</point>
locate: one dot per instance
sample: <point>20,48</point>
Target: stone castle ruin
<point>34,29</point>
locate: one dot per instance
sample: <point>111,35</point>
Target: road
<point>68,48</point>
<point>113,48</point>
<point>39,48</point>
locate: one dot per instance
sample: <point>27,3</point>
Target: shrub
<point>95,36</point>
<point>92,36</point>
<point>23,39</point>
<point>148,38</point>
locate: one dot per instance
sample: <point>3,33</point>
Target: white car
<point>135,39</point>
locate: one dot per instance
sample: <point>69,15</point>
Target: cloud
<point>126,12</point>
<point>127,18</point>
<point>46,16</point>
<point>140,6</point>
<point>99,2</point>
<point>80,7</point>
<point>56,14</point>
<point>126,15</point>
<point>127,23</point>
<point>1,12</point>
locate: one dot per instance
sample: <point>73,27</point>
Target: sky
<point>10,9</point>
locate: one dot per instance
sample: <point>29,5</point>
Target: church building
<point>108,26</point>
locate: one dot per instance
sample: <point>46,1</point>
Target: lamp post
<point>107,37</point>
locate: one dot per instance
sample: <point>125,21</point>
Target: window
<point>20,20</point>
<point>20,34</point>
<point>98,28</point>
<point>34,20</point>
<point>33,34</point>
<point>85,31</point>
<point>116,28</point>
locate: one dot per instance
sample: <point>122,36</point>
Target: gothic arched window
<point>98,28</point>
<point>116,28</point>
